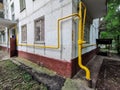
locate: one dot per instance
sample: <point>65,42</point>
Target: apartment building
<point>33,32</point>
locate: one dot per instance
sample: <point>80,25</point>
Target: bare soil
<point>14,78</point>
<point>109,76</point>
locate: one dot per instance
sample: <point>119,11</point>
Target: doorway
<point>13,44</point>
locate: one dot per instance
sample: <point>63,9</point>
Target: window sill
<point>88,45</point>
<point>39,42</point>
<point>24,42</point>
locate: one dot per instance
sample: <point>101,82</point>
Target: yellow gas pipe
<point>58,35</point>
<point>80,37</point>
<point>80,40</point>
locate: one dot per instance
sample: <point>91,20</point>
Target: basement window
<point>24,34</point>
<point>39,30</point>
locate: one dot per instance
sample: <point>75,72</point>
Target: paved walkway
<point>4,55</point>
<point>78,82</point>
<point>70,84</point>
<point>94,66</point>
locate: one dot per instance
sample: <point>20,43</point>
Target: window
<point>13,17</point>
<point>39,30</point>
<point>6,13</point>
<point>12,12</point>
<point>87,33</point>
<point>0,37</point>
<point>12,8</point>
<point>24,34</point>
<point>3,38</point>
<point>22,5</point>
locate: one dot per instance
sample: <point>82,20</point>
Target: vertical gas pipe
<point>80,41</point>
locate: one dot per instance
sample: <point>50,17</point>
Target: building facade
<point>36,33</point>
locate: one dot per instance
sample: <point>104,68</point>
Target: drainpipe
<point>80,41</point>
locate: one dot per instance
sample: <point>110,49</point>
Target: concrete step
<point>94,66</point>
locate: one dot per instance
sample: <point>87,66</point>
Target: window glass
<point>24,34</point>
<point>39,30</point>
<point>22,5</point>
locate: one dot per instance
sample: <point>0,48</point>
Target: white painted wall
<point>93,33</point>
<point>52,10</point>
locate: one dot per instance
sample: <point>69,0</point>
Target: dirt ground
<point>109,77</point>
<point>13,78</point>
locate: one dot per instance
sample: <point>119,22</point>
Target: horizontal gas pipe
<point>58,35</point>
<point>80,41</point>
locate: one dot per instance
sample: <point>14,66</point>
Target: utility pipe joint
<point>81,42</point>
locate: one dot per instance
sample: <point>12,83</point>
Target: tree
<point>112,22</point>
<point>112,18</point>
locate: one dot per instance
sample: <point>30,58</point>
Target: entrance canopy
<point>96,8</point>
<point>7,23</point>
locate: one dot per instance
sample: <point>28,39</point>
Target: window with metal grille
<point>39,30</point>
<point>24,33</point>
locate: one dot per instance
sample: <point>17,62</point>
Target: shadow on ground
<point>109,76</point>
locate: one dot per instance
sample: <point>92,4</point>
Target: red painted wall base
<point>66,69</point>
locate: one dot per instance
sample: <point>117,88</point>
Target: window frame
<point>0,38</point>
<point>3,37</point>
<point>12,8</point>
<point>40,41</point>
<point>22,5</point>
<point>87,33</point>
<point>25,25</point>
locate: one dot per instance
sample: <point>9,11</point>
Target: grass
<point>13,78</point>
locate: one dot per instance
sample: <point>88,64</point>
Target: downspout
<point>80,40</point>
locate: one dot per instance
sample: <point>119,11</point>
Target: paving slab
<point>4,55</point>
<point>94,66</point>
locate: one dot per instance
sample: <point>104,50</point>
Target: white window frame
<point>87,33</point>
<point>22,5</point>
<point>12,8</point>
<point>41,25</point>
<point>23,39</point>
<point>3,37</point>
